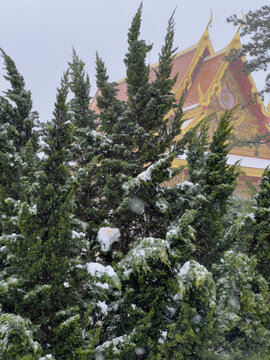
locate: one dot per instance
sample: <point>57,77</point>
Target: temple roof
<point>199,73</point>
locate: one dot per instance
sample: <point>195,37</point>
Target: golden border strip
<point>254,172</point>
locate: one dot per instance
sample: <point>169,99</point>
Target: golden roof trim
<point>254,172</point>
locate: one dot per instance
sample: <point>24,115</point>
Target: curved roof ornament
<point>236,39</point>
<point>206,33</point>
<point>202,100</point>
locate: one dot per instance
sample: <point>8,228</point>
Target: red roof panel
<point>205,75</point>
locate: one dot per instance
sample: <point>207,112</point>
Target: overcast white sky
<point>39,35</point>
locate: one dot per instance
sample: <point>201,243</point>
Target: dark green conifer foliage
<point>85,143</point>
<point>47,286</point>
<point>83,118</point>
<point>137,136</point>
<point>214,182</point>
<point>167,303</point>
<point>16,339</point>
<point>242,313</point>
<point>259,242</point>
<point>17,137</point>
<point>16,106</point>
<point>162,291</point>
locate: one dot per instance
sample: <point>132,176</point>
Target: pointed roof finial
<point>206,34</point>
<point>236,39</point>
<point>243,19</point>
<point>210,21</point>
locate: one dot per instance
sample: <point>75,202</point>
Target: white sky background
<point>39,35</point>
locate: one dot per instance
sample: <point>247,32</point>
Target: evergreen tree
<point>163,288</point>
<point>85,143</point>
<point>17,138</point>
<point>45,280</point>
<point>16,105</point>
<point>211,185</point>
<point>243,315</point>
<point>83,118</point>
<point>260,242</point>
<point>136,140</point>
<point>250,232</point>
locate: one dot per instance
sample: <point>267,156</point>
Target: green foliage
<point>259,243</point>
<point>20,115</point>
<point>210,188</point>
<point>136,141</point>
<point>16,339</point>
<point>98,259</point>
<point>242,308</point>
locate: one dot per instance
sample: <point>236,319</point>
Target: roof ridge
<point>217,53</point>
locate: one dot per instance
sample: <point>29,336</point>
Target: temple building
<point>211,85</point>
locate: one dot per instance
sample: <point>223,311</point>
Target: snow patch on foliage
<point>147,174</point>
<point>114,343</point>
<point>145,250</point>
<point>192,274</point>
<point>103,307</point>
<point>162,206</point>
<point>185,269</point>
<point>98,270</point>
<point>163,337</point>
<point>137,205</point>
<point>107,236</point>
<point>77,235</point>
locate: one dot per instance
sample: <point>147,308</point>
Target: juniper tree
<point>16,106</point>
<point>83,118</point>
<point>18,143</point>
<point>137,137</point>
<point>45,281</point>
<point>259,245</point>
<point>250,232</point>
<point>209,189</point>
<point>163,288</point>
<point>167,302</point>
<point>217,180</point>
<point>242,312</point>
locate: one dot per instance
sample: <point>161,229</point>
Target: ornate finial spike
<point>206,34</point>
<point>235,43</point>
<point>243,19</point>
<point>210,21</point>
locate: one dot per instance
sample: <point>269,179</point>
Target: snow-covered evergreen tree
<point>210,186</point>
<point>45,280</point>
<point>16,105</point>
<point>82,116</point>
<point>259,244</point>
<point>243,313</point>
<point>136,141</point>
<point>17,136</point>
<point>167,300</point>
